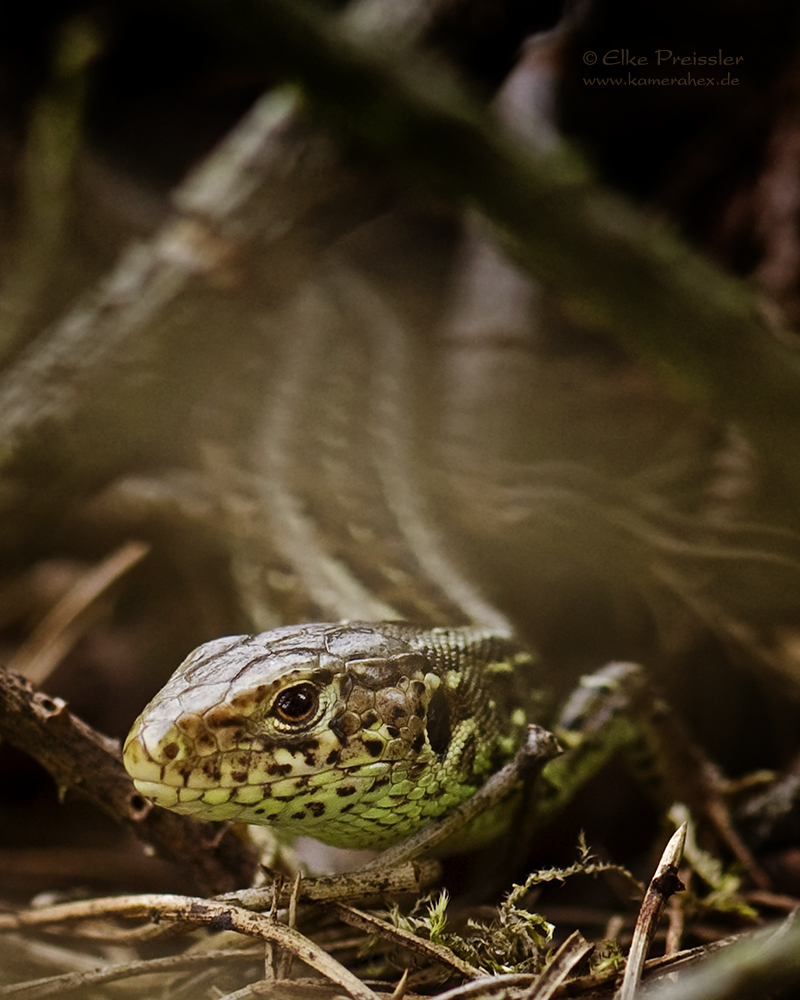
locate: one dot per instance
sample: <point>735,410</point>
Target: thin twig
<point>563,962</point>
<point>432,952</point>
<point>762,963</point>
<point>664,883</point>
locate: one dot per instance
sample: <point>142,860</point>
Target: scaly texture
<point>358,734</point>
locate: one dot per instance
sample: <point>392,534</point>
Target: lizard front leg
<point>617,711</point>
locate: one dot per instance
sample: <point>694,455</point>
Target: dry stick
<point>564,961</point>
<point>47,645</point>
<point>83,760</point>
<point>69,981</point>
<point>663,884</point>
<point>490,986</point>
<point>400,990</point>
<point>653,967</point>
<point>201,912</point>
<point>411,876</point>
<point>433,952</point>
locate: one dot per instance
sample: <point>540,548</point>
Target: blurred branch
<point>273,185</point>
<point>767,962</point>
<point>66,621</point>
<point>272,182</point>
<point>613,268</point>
<point>54,134</point>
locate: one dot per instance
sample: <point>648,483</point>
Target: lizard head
<point>327,730</point>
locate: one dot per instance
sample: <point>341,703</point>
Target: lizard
<point>356,733</point>
<point>361,734</point>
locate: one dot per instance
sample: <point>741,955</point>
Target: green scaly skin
<point>357,734</point>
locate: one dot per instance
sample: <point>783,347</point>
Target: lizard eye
<point>296,704</point>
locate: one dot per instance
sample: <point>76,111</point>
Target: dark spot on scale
<point>262,743</point>
<point>333,757</point>
<point>393,731</point>
<point>299,815</point>
<point>310,760</point>
<point>380,782</point>
<point>240,777</point>
<point>302,782</point>
<point>419,742</point>
<point>170,751</point>
<point>211,770</point>
<point>316,808</point>
<point>346,790</point>
<point>373,747</point>
<point>260,810</point>
<point>369,719</point>
<point>272,817</point>
<point>418,688</point>
<point>438,725</point>
<point>280,770</point>
<point>222,722</point>
<point>335,726</point>
<point>347,808</point>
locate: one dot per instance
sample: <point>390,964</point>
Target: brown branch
<point>84,761</point>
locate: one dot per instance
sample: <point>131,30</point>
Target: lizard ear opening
<point>438,725</point>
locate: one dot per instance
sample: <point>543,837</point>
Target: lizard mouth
<point>248,801</point>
